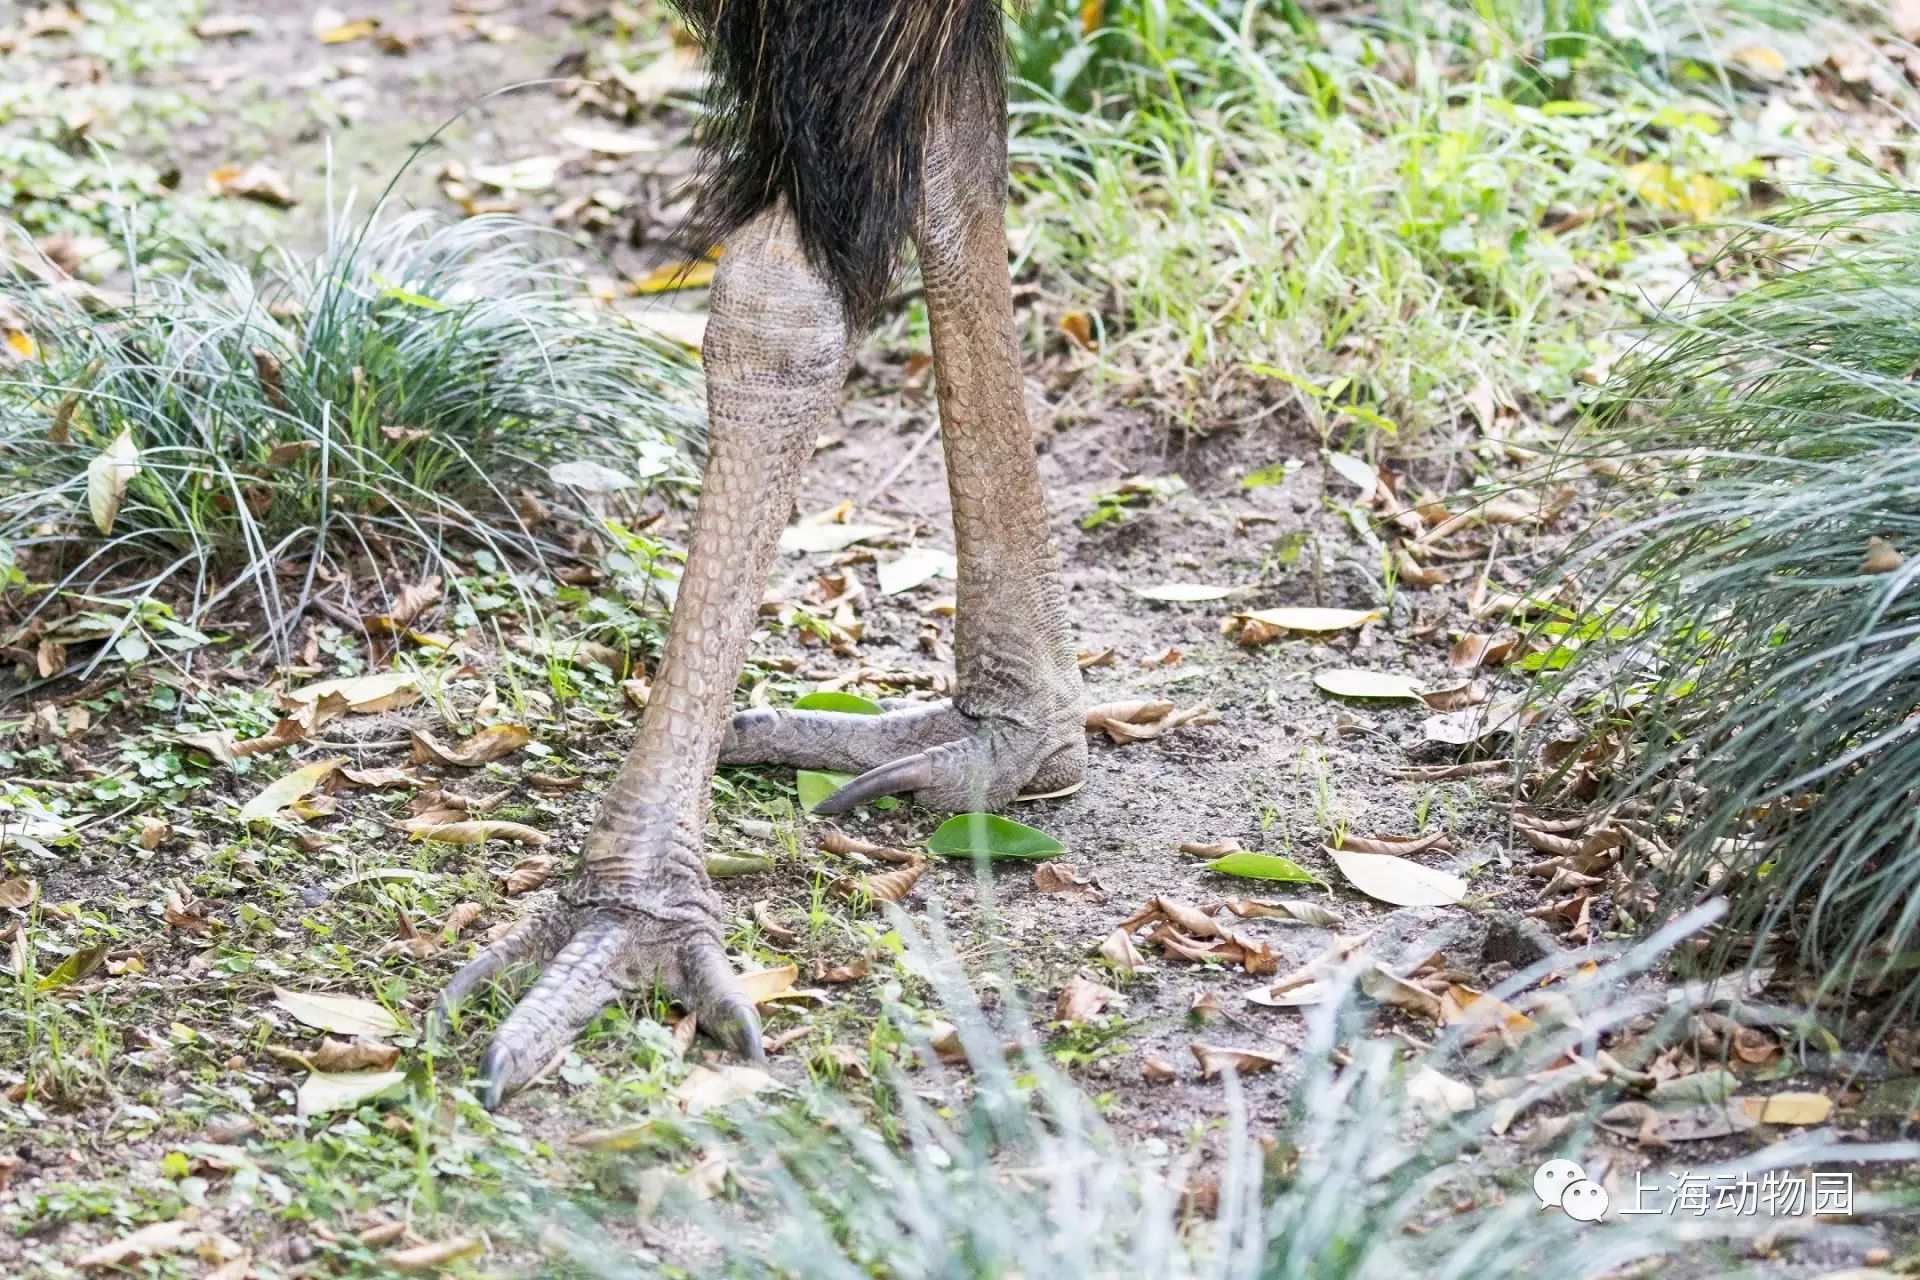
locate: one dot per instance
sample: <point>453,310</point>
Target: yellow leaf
<point>348,32</point>
<point>1789,1108</point>
<point>669,276</point>
<point>282,792</point>
<point>23,345</point>
<point>108,476</point>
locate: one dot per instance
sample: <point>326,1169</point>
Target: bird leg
<point>1014,723</point>
<point>638,912</point>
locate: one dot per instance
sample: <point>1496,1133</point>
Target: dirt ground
<point>1281,767</point>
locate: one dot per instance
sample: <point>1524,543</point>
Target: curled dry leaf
<point>857,969</point>
<point>1157,1069</point>
<point>763,916</point>
<point>1453,697</point>
<point>480,833</point>
<point>353,1055</point>
<point>527,875</point>
<point>1143,719</point>
<point>1214,1059</point>
<point>1399,846</point>
<point>356,695</point>
<point>391,776</point>
<point>1470,652</point>
<point>1064,879</point>
<point>762,985</point>
<point>1082,998</point>
<point>1117,949</point>
<point>435,1254</point>
<point>18,893</point>
<point>886,886</point>
<point>834,840</point>
<point>461,915</point>
<point>1383,984</point>
<point>484,747</point>
<point>1285,909</point>
<point>1214,849</point>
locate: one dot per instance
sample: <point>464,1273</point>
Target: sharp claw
<point>909,773</point>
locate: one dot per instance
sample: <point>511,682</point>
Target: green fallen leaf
<point>282,792</point>
<point>74,967</point>
<point>848,703</point>
<point>816,785</point>
<point>1262,866</point>
<point>987,835</point>
<point>722,865</point>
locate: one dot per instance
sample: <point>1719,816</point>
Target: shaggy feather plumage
<point>826,102</point>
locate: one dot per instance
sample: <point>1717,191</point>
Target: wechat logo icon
<point>1562,1184</point>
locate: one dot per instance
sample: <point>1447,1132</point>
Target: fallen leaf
<point>1078,326</point>
<point>763,985</point>
<point>1262,866</point>
<point>670,277</point>
<point>1398,881</point>
<point>435,1254</point>
<point>283,791</point>
<point>353,1055</point>
<point>1465,693</point>
<point>1383,984</point>
<point>1117,949</point>
<point>610,142</point>
<point>834,840</point>
<point>1145,718</point>
<point>815,785</point>
<point>1157,1069</point>
<point>1441,1095</point>
<point>174,1236</point>
<point>1470,652</point>
<point>70,970</point>
<point>1462,728</point>
<point>1349,682</point>
<point>1789,1108</point>
<point>913,567</point>
<point>108,476</point>
<point>261,182</point>
<point>1285,909</point>
<point>707,1088</point>
<point>325,1092</point>
<point>459,917</point>
<point>480,833</point>
<point>18,893</point>
<point>527,875</point>
<point>887,886</point>
<point>989,836</point>
<point>390,776</point>
<point>1214,1059</point>
<point>484,747</point>
<point>1882,557</point>
<point>1395,846</point>
<point>1063,878</point>
<point>1082,998</point>
<point>1185,592</point>
<point>345,1015</point>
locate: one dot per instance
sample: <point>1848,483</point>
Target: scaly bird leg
<point>1014,722</point>
<point>639,911</point>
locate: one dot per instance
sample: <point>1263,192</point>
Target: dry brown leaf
<point>484,747</point>
<point>174,1236</point>
<point>1472,651</point>
<point>1214,1059</point>
<point>1881,557</point>
<point>1285,909</point>
<point>480,833</point>
<point>1453,697</point>
<point>1118,950</point>
<point>1157,1069</point>
<point>391,776</point>
<point>834,840</point>
<point>260,182</point>
<point>763,917</point>
<point>527,875</point>
<point>459,917</point>
<point>1078,326</point>
<point>353,1055</point>
<point>435,1254</point>
<point>1082,998</point>
<point>886,886</point>
<point>1213,849</point>
<point>851,972</point>
<point>1383,984</point>
<point>1398,846</point>
<point>18,893</point>
<point>1064,879</point>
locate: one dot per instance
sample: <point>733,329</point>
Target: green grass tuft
<point>401,393</point>
<point>1756,634</point>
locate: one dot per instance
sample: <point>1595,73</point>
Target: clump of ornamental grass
<point>238,438</point>
<point>1014,1172</point>
<point>1753,650</point>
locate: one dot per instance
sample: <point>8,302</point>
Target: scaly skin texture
<point>1015,720</point>
<point>639,911</point>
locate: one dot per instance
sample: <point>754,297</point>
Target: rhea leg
<point>1014,722</point>
<point>638,910</point>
